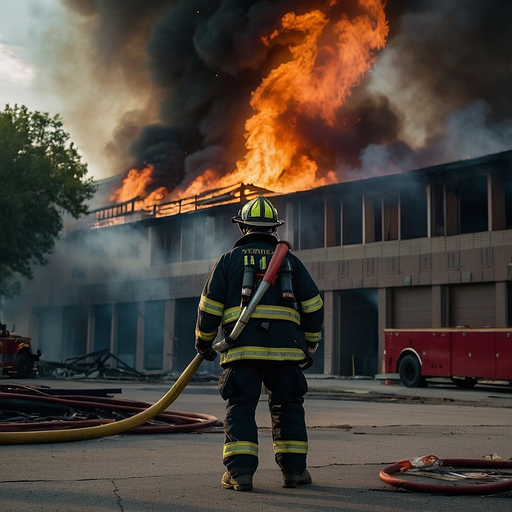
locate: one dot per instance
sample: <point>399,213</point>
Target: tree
<point>41,178</point>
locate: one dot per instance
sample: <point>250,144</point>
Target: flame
<point>330,54</point>
<point>155,197</point>
<point>332,57</point>
<point>134,187</point>
<point>208,180</point>
<point>134,184</point>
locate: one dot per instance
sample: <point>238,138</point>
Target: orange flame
<point>328,58</point>
<point>208,180</point>
<point>134,185</point>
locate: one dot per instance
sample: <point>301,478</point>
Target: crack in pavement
<point>116,492</point>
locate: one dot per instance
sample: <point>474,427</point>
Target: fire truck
<point>16,356</point>
<point>461,354</point>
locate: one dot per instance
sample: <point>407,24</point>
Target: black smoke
<point>439,91</point>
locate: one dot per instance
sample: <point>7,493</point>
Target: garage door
<point>473,305</point>
<point>412,307</point>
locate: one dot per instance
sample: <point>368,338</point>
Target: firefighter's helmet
<point>259,212</point>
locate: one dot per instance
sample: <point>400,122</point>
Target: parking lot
<point>356,427</point>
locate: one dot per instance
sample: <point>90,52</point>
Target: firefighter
<point>272,349</point>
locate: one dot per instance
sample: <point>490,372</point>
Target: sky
<point>24,25</point>
<point>36,38</point>
<point>20,26</point>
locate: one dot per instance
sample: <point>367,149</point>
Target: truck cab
<point>16,356</point>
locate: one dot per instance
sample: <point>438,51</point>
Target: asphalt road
<point>356,428</point>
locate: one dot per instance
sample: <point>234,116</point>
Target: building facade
<point>431,247</point>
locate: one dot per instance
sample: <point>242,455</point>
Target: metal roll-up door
<point>473,305</point>
<point>412,307</point>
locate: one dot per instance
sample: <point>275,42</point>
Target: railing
<point>226,195</point>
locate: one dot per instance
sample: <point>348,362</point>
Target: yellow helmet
<point>258,212</point>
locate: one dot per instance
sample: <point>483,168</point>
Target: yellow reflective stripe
<point>312,305</point>
<point>291,447</point>
<point>253,210</point>
<point>262,353</point>
<point>239,448</point>
<point>231,315</point>
<point>206,336</point>
<point>256,209</point>
<point>276,313</point>
<point>314,337</point>
<point>263,311</point>
<point>211,306</point>
<point>269,214</point>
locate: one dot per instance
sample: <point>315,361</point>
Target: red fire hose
<point>29,398</point>
<point>108,428</point>
<point>432,462</point>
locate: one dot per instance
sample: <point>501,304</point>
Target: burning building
<point>285,94</point>
<point>345,113</point>
<point>427,248</point>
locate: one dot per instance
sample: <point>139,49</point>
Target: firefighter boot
<point>292,480</point>
<point>239,483</point>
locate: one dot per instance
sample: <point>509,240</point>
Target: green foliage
<point>41,178</point>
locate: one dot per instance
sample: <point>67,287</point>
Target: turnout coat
<point>280,329</point>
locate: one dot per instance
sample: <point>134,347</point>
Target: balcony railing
<point>138,208</point>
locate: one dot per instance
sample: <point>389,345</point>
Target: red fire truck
<point>16,356</point>
<point>462,354</point>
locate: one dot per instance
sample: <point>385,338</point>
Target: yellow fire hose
<point>109,429</point>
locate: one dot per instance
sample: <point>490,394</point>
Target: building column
<point>384,312</point>
<point>496,202</point>
<point>437,306</point>
<point>329,350</point>
<point>169,321</point>
<point>90,329</point>
<point>288,228</point>
<point>141,315</point>
<point>113,330</point>
<point>501,304</point>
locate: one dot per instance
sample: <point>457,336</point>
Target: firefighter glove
<point>312,347</point>
<point>209,354</point>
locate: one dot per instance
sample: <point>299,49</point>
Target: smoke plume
<point>438,91</point>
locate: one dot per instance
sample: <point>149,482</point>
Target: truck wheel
<point>410,372</point>
<point>23,365</point>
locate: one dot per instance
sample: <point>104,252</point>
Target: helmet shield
<point>258,212</point>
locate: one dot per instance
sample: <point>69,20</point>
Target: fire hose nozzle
<point>223,345</point>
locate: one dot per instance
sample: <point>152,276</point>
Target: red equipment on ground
<point>16,356</point>
<point>462,354</point>
<point>465,476</point>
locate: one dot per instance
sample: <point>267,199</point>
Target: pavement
<point>356,427</point>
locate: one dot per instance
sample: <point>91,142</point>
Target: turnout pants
<point>240,385</point>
